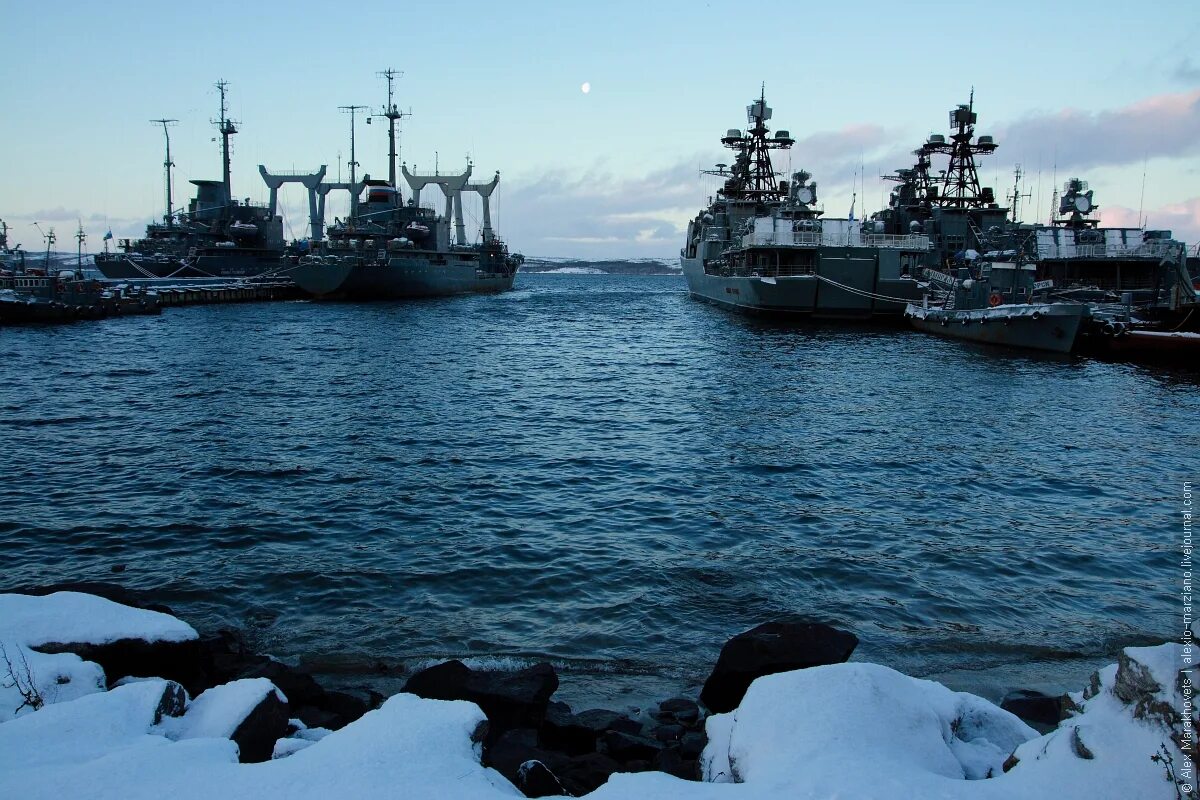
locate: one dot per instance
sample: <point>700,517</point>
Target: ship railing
<point>832,239</point>
<point>1156,248</point>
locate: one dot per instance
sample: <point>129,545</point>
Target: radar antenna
<point>960,184</point>
<point>167,164</point>
<point>227,127</point>
<point>752,177</point>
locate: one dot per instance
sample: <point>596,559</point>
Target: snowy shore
<point>847,730</point>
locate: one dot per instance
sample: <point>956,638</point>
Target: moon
<point>587,87</point>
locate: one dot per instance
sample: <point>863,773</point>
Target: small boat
<point>994,302</point>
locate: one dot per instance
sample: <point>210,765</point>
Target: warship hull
<point>1049,327</point>
<point>122,266</point>
<point>398,279</point>
<point>848,287</point>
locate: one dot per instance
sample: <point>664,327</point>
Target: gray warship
<point>215,237</point>
<point>763,247</point>
<point>389,248</point>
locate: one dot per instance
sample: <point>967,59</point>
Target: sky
<point>1108,92</point>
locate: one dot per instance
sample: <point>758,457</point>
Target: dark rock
<point>1010,762</point>
<point>512,749</point>
<point>637,765</point>
<point>586,773</point>
<point>263,726</point>
<point>181,662</point>
<point>1034,707</point>
<point>668,734</point>
<point>1079,747</point>
<point>510,699</point>
<point>767,649</point>
<point>692,744</point>
<point>299,687</point>
<point>173,702</point>
<point>536,780</point>
<point>672,762</point>
<point>627,747</point>
<point>317,717</point>
<point>679,709</point>
<point>563,731</point>
<point>346,706</point>
<point>601,720</point>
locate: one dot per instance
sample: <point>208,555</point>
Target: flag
<point>852,201</point>
<point>108,236</point>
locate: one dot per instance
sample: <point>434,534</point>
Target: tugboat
<point>389,249</point>
<point>216,237</point>
<point>763,247</point>
<point>993,302</point>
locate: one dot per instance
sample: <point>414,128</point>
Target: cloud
<point>57,214</point>
<point>1186,72</point>
<point>600,214</point>
<point>1165,125</point>
<point>1182,219</point>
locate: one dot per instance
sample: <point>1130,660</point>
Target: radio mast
<point>227,127</point>
<point>167,164</point>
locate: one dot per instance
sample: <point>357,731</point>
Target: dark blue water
<point>595,469</point>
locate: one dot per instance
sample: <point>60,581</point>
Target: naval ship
<point>389,248</point>
<point>215,237</point>
<point>763,247</point>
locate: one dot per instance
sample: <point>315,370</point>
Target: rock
<point>583,774</point>
<point>1137,686</point>
<point>692,744</point>
<point>767,649</point>
<point>627,747</point>
<point>314,717</point>
<point>563,731</point>
<point>173,703</point>
<point>181,662</point>
<point>510,699</point>
<point>1078,746</point>
<point>536,780</point>
<point>601,720</point>
<point>679,709</point>
<point>1011,762</point>
<point>299,687</point>
<point>1035,707</point>
<point>668,734</point>
<point>344,706</point>
<point>512,749</point>
<point>109,591</point>
<point>262,727</point>
<point>672,762</point>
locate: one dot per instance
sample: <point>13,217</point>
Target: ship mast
<point>353,164</point>
<point>227,127</point>
<point>960,186</point>
<point>167,164</point>
<point>1016,195</point>
<point>391,113</point>
<point>80,238</point>
<point>752,176</point>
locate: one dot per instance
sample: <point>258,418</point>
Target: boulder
<point>1041,710</point>
<point>536,780</point>
<point>627,747</point>
<point>257,733</point>
<point>510,699</point>
<point>672,762</point>
<point>601,720</point>
<point>173,703</point>
<point>180,662</point>
<point>668,734</point>
<point>586,773</point>
<point>692,744</point>
<point>767,649</point>
<point>680,710</point>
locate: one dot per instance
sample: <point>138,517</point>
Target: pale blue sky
<point>611,172</point>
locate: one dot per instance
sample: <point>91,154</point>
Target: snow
<point>217,712</point>
<point>75,618</point>
<point>852,730</point>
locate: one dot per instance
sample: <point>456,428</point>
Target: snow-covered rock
<point>72,617</point>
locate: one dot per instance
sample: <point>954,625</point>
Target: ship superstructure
<point>215,236</point>
<point>764,246</point>
<point>390,248</point>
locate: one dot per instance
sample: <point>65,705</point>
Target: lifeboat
<point>243,230</point>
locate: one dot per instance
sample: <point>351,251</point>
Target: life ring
<point>995,299</point>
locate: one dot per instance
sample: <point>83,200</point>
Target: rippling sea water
<point>601,471</point>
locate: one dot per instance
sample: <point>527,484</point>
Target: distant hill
<point>616,266</point>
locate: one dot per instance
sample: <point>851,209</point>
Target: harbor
<point>661,401</point>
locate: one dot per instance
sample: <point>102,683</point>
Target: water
<point>600,471</point>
